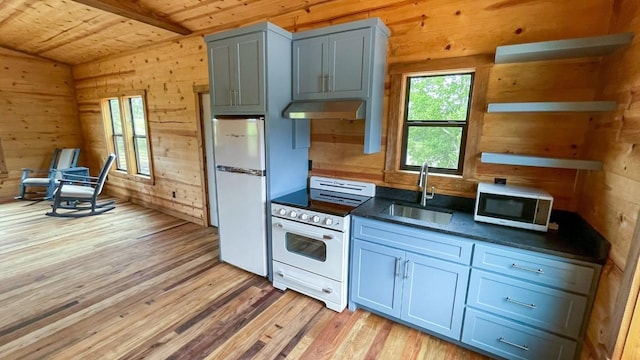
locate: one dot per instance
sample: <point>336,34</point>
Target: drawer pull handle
<point>406,269</point>
<point>537,271</point>
<point>530,306</point>
<point>301,282</point>
<point>398,260</point>
<point>521,347</point>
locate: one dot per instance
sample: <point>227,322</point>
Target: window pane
<point>142,156</point>
<point>439,145</point>
<point>442,97</point>
<point>137,114</point>
<point>116,119</point>
<point>121,156</point>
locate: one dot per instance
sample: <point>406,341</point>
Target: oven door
<point>311,248</point>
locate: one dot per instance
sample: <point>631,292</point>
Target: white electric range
<point>310,238</point>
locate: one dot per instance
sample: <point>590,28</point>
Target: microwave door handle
<point>302,231</point>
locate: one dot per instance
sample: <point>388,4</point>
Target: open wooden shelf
<point>561,106</point>
<point>523,160</point>
<point>562,49</point>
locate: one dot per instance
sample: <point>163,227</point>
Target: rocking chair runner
<point>78,195</point>
<point>62,159</point>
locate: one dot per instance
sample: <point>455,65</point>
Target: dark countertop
<point>574,239</point>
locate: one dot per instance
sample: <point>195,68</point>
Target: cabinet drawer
<point>431,243</point>
<point>527,265</point>
<point>535,305</point>
<point>512,340</point>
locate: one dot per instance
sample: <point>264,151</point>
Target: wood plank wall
<point>168,74</point>
<point>420,30</point>
<point>610,199</point>
<point>440,30</point>
<point>37,114</point>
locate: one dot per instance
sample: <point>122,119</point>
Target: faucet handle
<point>432,195</point>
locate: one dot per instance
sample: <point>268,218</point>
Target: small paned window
<point>435,122</point>
<point>127,131</point>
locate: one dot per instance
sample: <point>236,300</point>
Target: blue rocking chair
<point>77,195</point>
<point>62,159</point>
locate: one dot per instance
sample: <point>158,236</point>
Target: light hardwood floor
<point>134,283</point>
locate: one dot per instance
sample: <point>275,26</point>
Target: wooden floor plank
<point>137,284</point>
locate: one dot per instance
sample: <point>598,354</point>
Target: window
<point>418,109</point>
<point>127,133</point>
<point>436,115</point>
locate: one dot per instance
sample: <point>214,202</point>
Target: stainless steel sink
<point>426,215</point>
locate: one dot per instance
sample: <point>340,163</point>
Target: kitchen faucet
<point>423,179</point>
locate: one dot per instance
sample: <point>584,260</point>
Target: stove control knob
<point>315,219</point>
<point>282,212</point>
<point>328,221</point>
<point>293,213</point>
<point>304,217</point>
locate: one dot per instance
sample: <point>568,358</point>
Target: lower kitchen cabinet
<point>421,290</point>
<point>513,340</point>
<point>375,277</point>
<point>525,305</point>
<point>433,294</point>
<point>502,301</point>
<point>546,308</point>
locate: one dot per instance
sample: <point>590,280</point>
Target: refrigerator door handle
<point>237,170</point>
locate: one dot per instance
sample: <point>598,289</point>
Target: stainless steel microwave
<point>515,206</point>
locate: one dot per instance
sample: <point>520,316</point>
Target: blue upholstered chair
<point>45,181</point>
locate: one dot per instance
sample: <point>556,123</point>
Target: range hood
<point>335,109</point>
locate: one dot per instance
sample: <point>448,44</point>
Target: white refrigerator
<point>239,154</point>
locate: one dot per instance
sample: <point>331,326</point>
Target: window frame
<point>460,185</point>
<point>132,171</point>
<point>406,124</point>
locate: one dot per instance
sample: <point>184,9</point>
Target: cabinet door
<point>250,77</point>
<point>434,294</point>
<point>221,71</point>
<point>349,63</point>
<point>376,280</point>
<point>310,58</point>
<point>237,75</point>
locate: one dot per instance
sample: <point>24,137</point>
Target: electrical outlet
<point>173,193</point>
<point>502,181</point>
<point>601,336</point>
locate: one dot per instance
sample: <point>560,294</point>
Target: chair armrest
<point>40,171</point>
<point>78,180</point>
<point>78,170</point>
<point>26,172</point>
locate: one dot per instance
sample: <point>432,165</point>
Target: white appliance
<point>239,152</point>
<point>516,206</point>
<point>310,238</point>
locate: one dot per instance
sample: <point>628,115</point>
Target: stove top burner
<point>329,202</point>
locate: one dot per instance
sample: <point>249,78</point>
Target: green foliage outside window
<point>436,118</point>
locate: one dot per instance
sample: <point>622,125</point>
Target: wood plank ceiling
<point>76,32</point>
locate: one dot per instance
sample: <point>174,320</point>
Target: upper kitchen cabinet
<point>332,66</point>
<point>238,67</point>
<point>344,62</point>
<point>237,74</point>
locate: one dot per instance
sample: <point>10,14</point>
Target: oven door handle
<point>301,282</point>
<point>304,232</point>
